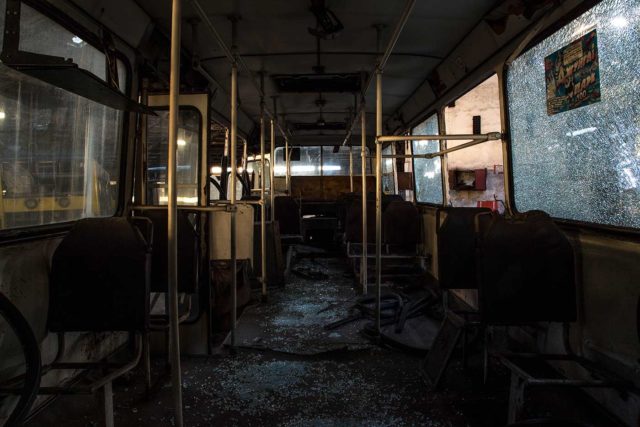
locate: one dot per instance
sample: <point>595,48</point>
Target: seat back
<point>526,270</point>
<point>353,222</point>
<point>457,248</point>
<point>387,199</point>
<point>401,225</point>
<point>99,278</point>
<point>188,252</point>
<point>286,211</point>
<point>342,205</point>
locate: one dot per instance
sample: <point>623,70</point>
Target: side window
<point>474,175</point>
<point>189,124</point>
<point>60,153</point>
<point>57,42</point>
<point>427,172</point>
<point>388,171</point>
<point>575,128</point>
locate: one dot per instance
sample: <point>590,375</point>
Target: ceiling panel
<point>273,36</point>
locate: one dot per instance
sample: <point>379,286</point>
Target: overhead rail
<point>382,62</point>
<point>235,58</point>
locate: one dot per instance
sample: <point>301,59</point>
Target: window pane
<point>59,154</point>
<point>186,160</point>
<point>428,172</point>
<point>308,165</point>
<point>39,34</point>
<point>388,178</point>
<point>582,164</point>
<point>338,163</point>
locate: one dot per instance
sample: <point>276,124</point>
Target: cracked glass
<point>427,172</point>
<point>582,164</point>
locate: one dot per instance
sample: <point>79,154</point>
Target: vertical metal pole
<point>172,211</point>
<point>378,198</point>
<point>108,404</point>
<point>351,168</point>
<point>272,166</point>
<point>287,166</point>
<point>363,155</point>
<point>263,210</point>
<point>232,198</point>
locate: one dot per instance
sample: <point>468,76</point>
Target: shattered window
<point>427,172</point>
<point>580,161</point>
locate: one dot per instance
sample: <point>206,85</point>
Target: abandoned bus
<point>320,213</point>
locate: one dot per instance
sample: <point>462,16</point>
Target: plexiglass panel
<point>581,164</point>
<point>427,172</point>
<point>186,161</point>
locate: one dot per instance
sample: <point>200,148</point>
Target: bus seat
<point>353,222</point>
<point>401,226</point>
<point>457,247</point>
<point>287,212</point>
<point>100,278</point>
<point>188,252</point>
<point>343,202</point>
<point>387,199</point>
<point>526,270</point>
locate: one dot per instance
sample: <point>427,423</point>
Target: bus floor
<point>286,376</point>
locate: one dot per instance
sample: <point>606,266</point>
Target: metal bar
<point>406,12</point>
<point>214,206</point>
<point>108,404</point>
<point>272,165</point>
<point>234,59</point>
<point>402,21</point>
<point>263,210</point>
<point>483,137</point>
<point>216,35</point>
<point>378,199</point>
<point>232,198</point>
<point>287,173</point>
<point>172,210</point>
<point>351,168</point>
<point>363,156</point>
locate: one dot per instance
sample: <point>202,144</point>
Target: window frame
<point>439,116</point>
<point>58,229</point>
<point>199,163</point>
<point>571,224</point>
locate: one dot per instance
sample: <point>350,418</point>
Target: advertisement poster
<point>573,75</point>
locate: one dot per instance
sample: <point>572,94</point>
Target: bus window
<point>474,175</point>
<point>338,163</point>
<point>59,154</point>
<point>186,161</point>
<point>58,42</point>
<point>427,172</point>
<point>308,165</point>
<point>254,170</point>
<point>583,163</point>
<point>388,171</point>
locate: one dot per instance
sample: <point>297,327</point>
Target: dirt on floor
<point>290,371</point>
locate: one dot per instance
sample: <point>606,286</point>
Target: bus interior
<point>320,213</point>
